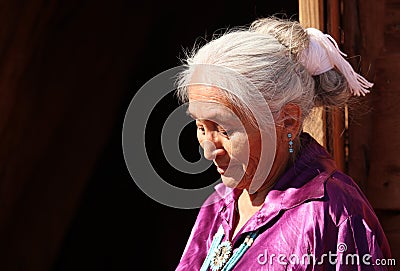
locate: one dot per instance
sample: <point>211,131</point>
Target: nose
<point>210,150</point>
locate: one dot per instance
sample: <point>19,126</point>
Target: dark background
<point>68,71</point>
<point>116,226</point>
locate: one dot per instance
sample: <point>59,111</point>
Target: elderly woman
<point>282,204</point>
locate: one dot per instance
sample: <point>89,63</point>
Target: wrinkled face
<point>231,142</point>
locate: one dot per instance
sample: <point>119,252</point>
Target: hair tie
<point>323,54</point>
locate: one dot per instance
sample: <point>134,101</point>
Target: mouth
<point>231,170</point>
<point>221,168</point>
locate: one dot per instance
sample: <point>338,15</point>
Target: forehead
<point>208,102</point>
<point>206,93</point>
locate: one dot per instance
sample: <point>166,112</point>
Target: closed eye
<point>201,129</point>
<point>226,133</point>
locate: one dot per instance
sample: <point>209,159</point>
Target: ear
<point>291,119</point>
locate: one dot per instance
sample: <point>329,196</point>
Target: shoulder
<point>357,224</point>
<point>345,200</point>
<point>346,217</point>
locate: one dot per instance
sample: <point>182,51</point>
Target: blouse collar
<point>303,181</point>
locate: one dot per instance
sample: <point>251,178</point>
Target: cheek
<point>255,148</point>
<point>247,150</point>
<point>239,147</point>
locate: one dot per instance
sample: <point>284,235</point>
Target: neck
<point>250,203</point>
<point>255,199</point>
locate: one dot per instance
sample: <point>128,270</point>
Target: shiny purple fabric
<point>313,209</point>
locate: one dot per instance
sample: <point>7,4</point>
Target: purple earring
<point>289,135</point>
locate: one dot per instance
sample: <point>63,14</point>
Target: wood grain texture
<point>370,32</point>
<point>327,127</point>
<point>336,130</point>
<point>390,221</point>
<point>311,15</point>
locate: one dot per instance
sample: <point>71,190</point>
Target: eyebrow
<point>214,117</point>
<point>193,116</point>
<point>190,114</point>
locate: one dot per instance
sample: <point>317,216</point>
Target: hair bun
<point>289,33</point>
<point>331,89</point>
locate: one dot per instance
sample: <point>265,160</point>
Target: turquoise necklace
<point>219,256</point>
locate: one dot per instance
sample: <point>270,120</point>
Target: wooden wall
<point>371,30</point>
<point>364,139</point>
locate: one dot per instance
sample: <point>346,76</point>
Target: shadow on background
<point>68,71</point>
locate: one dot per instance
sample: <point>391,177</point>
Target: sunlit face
<point>231,142</point>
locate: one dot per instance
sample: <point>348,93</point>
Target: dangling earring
<point>289,135</point>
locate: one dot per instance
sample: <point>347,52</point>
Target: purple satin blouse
<point>315,218</point>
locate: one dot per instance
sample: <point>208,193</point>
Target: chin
<point>230,182</point>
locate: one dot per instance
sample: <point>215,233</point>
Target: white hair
<point>266,56</point>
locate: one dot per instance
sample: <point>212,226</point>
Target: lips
<point>221,168</point>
